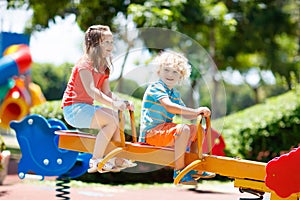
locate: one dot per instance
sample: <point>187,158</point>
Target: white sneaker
<point>107,167</point>
<point>125,163</point>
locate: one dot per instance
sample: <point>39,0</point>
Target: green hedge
<point>263,131</point>
<point>52,109</point>
<point>153,173</point>
<point>49,109</point>
<point>260,132</point>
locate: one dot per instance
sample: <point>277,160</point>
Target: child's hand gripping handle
<point>201,134</point>
<point>130,107</point>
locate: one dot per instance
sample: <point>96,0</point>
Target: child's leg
<point>116,136</point>
<point>193,139</point>
<point>120,163</point>
<point>199,174</point>
<point>181,142</point>
<point>194,147</point>
<point>106,121</point>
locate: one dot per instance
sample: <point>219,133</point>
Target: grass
<point>14,151</point>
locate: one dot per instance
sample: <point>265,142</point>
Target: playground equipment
<point>18,93</point>
<point>16,60</point>
<point>248,176</point>
<point>40,153</point>
<point>281,176</point>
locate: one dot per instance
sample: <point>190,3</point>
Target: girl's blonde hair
<point>92,40</point>
<point>175,60</point>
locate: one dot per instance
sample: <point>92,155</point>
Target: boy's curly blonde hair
<point>176,60</point>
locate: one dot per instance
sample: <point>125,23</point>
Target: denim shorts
<point>79,115</point>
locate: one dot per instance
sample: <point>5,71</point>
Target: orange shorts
<point>164,134</point>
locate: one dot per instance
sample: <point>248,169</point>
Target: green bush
<point>49,109</point>
<point>154,173</point>
<point>263,131</point>
<point>52,79</point>
<point>52,109</point>
<point>260,132</point>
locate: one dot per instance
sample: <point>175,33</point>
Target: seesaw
<point>249,176</point>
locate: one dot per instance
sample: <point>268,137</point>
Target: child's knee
<point>184,131</point>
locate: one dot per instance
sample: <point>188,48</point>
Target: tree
<point>234,32</point>
<point>204,21</point>
<point>88,12</point>
<point>237,34</point>
<point>52,79</point>
<point>266,36</point>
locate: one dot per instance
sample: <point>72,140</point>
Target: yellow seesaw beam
<point>224,166</point>
<point>246,174</point>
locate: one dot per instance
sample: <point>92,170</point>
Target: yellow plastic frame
<point>246,174</point>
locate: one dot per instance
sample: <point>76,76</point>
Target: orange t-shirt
<point>75,92</point>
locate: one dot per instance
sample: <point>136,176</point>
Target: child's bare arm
<point>98,95</point>
<point>106,90</point>
<point>176,108</point>
<point>201,110</point>
<point>186,112</point>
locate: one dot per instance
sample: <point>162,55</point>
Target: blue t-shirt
<point>152,112</point>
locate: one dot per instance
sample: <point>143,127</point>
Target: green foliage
<point>268,31</point>
<point>240,34</point>
<point>157,13</point>
<point>263,131</point>
<point>52,109</point>
<point>87,12</point>
<point>49,109</point>
<point>238,97</point>
<point>52,79</point>
<point>2,144</point>
<point>128,87</point>
<point>44,11</point>
<point>260,132</point>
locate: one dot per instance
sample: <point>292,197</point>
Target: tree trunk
<point>212,52</point>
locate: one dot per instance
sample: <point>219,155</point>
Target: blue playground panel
<point>40,153</point>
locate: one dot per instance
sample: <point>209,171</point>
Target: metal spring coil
<point>63,188</point>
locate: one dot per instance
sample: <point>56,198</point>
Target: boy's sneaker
<point>204,175</point>
<point>187,179</point>
<point>208,175</point>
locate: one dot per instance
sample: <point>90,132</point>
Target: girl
<point>88,83</point>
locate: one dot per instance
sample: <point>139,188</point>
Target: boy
<point>161,102</point>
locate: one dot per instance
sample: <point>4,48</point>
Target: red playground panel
<point>282,174</point>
